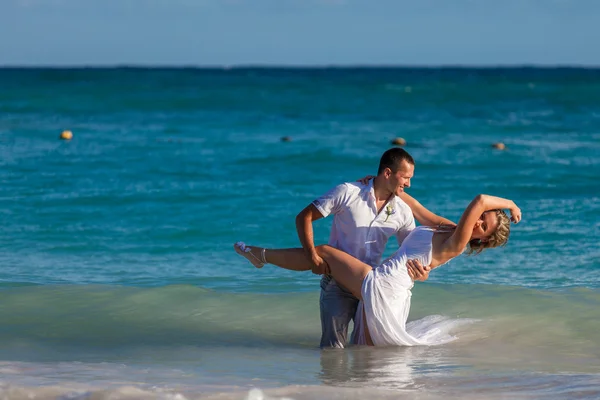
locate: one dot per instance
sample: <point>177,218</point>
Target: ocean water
<point>117,274</point>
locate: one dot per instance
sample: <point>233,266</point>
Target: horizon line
<point>297,66</point>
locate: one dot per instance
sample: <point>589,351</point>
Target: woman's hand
<point>366,179</point>
<point>515,214</point>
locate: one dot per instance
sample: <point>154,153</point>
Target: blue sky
<point>299,32</point>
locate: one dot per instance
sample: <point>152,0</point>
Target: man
<point>365,217</point>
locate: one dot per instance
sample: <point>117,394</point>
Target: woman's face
<point>485,226</point>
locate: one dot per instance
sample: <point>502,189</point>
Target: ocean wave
<point>109,316</point>
<point>114,316</point>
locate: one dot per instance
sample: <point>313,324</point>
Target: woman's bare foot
<point>252,254</point>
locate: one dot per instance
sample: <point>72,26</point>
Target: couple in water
<point>356,285</point>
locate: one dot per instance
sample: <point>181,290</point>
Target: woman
<point>385,290</point>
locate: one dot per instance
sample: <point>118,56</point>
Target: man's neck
<point>379,189</point>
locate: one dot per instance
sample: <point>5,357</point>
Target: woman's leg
<point>292,259</point>
<point>348,271</point>
<point>345,269</point>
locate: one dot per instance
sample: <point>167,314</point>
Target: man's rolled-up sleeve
<point>330,202</point>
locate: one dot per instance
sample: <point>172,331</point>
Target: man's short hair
<point>393,158</point>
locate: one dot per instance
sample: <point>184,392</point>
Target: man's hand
<point>416,271</point>
<point>320,266</point>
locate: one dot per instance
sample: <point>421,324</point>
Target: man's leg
<point>340,294</point>
<point>358,332</point>
<point>338,307</point>
<point>338,304</point>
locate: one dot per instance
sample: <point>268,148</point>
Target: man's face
<point>399,180</point>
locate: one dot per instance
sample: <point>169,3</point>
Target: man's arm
<point>416,271</point>
<point>304,228</point>
<point>422,214</point>
<point>330,203</point>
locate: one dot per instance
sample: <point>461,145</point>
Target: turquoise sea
<point>117,274</point>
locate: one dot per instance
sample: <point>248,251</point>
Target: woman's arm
<point>480,204</point>
<point>422,214</point>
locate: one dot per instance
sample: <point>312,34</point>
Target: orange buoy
<point>66,135</point>
<point>399,141</point>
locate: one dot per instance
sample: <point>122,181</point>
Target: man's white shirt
<point>357,227</point>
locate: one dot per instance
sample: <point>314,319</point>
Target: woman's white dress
<point>386,298</point>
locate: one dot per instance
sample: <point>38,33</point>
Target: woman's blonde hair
<point>498,238</point>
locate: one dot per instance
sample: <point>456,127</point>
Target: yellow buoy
<point>499,146</point>
<point>66,135</point>
<point>399,141</point>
